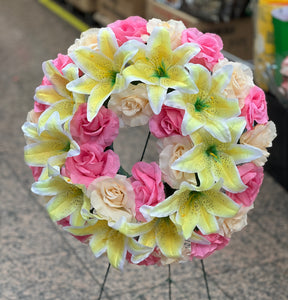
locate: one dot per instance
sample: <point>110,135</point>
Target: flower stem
<point>169,282</point>
<point>145,146</point>
<point>104,281</point>
<point>205,278</point>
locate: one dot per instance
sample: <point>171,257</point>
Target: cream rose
<point>235,224</point>
<point>112,198</point>
<point>132,106</point>
<point>175,29</point>
<point>87,38</point>
<point>33,116</point>
<point>241,80</point>
<point>173,148</point>
<point>261,136</point>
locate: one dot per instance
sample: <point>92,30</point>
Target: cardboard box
<point>237,35</point>
<point>113,10</point>
<point>86,6</point>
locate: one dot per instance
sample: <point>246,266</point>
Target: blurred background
<point>39,261</point>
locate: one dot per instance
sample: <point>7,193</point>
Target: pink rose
<point>217,242</point>
<point>255,107</point>
<point>36,172</point>
<point>130,28</point>
<point>252,176</point>
<point>91,163</point>
<point>60,62</point>
<point>149,261</point>
<point>102,130</point>
<point>210,44</point>
<point>147,185</point>
<point>167,123</point>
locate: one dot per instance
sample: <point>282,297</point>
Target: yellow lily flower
<point>161,232</point>
<point>56,95</point>
<point>51,146</point>
<point>196,207</point>
<point>67,199</point>
<point>213,160</point>
<point>162,68</point>
<point>102,69</point>
<point>107,239</point>
<point>209,108</point>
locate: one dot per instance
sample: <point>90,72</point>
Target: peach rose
<point>175,29</point>
<point>112,198</point>
<point>261,136</point>
<point>132,106</point>
<point>87,38</point>
<point>235,224</point>
<point>173,148</point>
<point>33,116</point>
<point>241,81</point>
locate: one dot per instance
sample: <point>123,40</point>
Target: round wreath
<point>212,127</point>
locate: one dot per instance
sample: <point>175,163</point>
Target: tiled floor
<point>38,261</point>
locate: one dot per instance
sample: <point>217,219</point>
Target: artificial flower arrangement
<point>212,127</point>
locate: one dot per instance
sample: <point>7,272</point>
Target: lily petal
<point>116,249</point>
<point>107,42</point>
<point>56,78</point>
<point>201,76</point>
<point>219,204</point>
<point>207,223</point>
<point>184,53</point>
<point>46,94</point>
<point>243,153</point>
<point>82,85</point>
<point>95,64</point>
<point>156,95</point>
<point>64,204</point>
<point>191,161</point>
<point>168,206</point>
<point>188,217</point>
<point>96,99</point>
<point>221,78</point>
<point>168,239</point>
<point>227,170</point>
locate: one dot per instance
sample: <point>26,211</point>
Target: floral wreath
<point>212,127</point>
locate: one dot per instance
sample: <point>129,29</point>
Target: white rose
<point>241,81</point>
<point>235,224</point>
<point>132,106</point>
<point>175,29</point>
<point>174,148</point>
<point>112,198</point>
<point>87,38</point>
<point>261,136</point>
